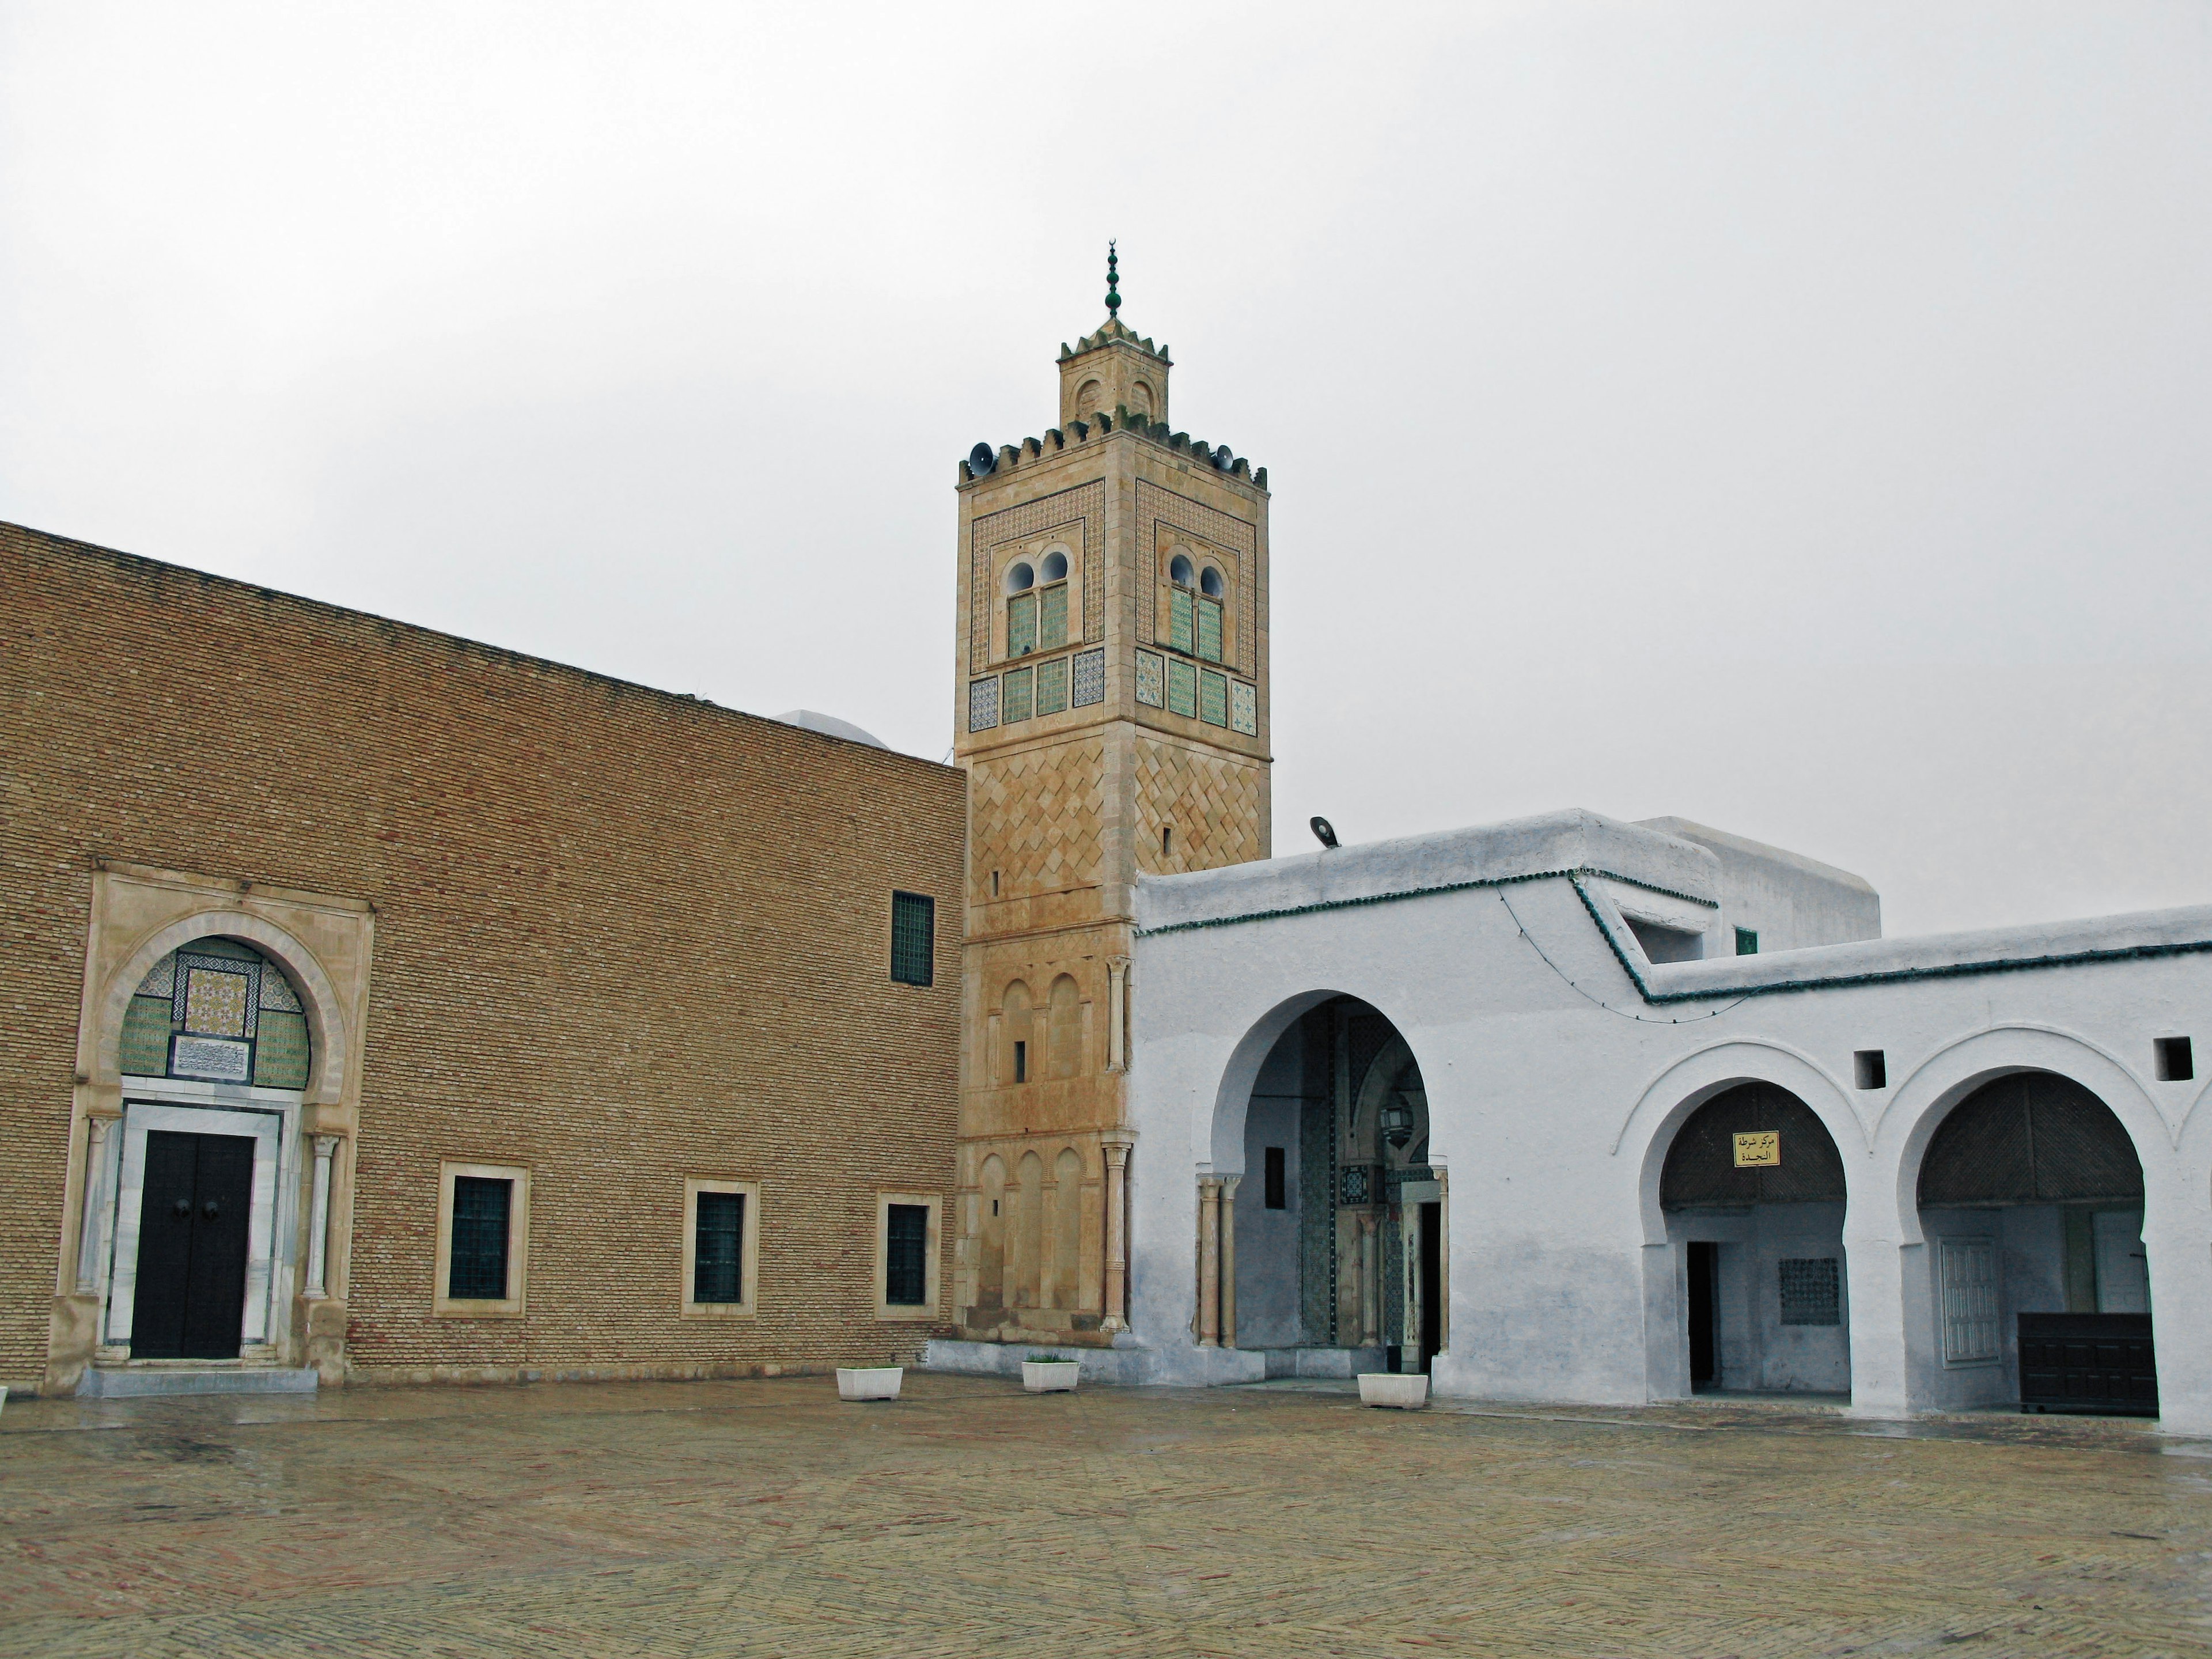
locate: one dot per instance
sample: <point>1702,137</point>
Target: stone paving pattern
<point>767,1518</point>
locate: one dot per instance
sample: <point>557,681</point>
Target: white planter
<point>3,1394</point>
<point>869,1382</point>
<point>1050,1375</point>
<point>1406,1391</point>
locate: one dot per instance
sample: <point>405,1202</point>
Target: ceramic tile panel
<point>1243,708</point>
<point>1151,679</point>
<point>1182,687</point>
<point>1079,515</point>
<point>1090,677</point>
<point>983,704</point>
<point>1052,686</point>
<point>1052,618</point>
<point>1018,692</point>
<point>1213,697</point>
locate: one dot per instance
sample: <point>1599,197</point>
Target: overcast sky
<point>1797,418</point>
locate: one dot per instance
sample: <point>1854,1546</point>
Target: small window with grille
<point>1811,1291</point>
<point>484,1233</point>
<point>914,928</point>
<point>906,1255</point>
<point>721,1246</point>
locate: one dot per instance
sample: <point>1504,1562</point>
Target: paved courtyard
<point>765,1518</point>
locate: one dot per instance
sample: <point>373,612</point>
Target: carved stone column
<point>92,1231</point>
<point>1209,1262</point>
<point>1117,1242</point>
<point>319,1219</point>
<point>1370,1287</point>
<point>1228,1259</point>
<point>1117,1013</point>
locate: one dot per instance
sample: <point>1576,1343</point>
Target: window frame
<point>515,1303</point>
<point>926,1312</point>
<point>748,1250</point>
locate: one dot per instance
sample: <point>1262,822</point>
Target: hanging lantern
<point>1397,1120</point>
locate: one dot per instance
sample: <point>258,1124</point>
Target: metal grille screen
<point>1811,1291</point>
<point>914,924</point>
<point>477,1272</point>
<point>2032,1138</point>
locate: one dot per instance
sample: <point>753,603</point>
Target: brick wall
<point>622,938</point>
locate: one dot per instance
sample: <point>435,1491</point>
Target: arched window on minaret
<point>1196,600</point>
<point>1037,603</point>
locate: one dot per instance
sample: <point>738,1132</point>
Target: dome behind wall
<point>830,726</point>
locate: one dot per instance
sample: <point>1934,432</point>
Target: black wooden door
<point>1432,1278</point>
<point>190,1298</point>
<point>1704,1362</point>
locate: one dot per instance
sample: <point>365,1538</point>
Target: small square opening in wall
<point>1747,941</point>
<point>1869,1069</point>
<point>2175,1062</point>
<point>1275,1195</point>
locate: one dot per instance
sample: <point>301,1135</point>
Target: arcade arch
<point>2030,1197</point>
<point>1753,1192</point>
<point>1329,1219</point>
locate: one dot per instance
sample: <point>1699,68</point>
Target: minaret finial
<point>1113,285</point>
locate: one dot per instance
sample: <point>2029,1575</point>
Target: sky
<point>1794,418</point>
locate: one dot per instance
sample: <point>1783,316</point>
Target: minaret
<point>1111,703</point>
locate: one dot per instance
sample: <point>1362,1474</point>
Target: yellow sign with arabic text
<point>1761,1149</point>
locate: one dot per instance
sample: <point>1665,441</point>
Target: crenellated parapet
<point>1113,331</point>
<point>983,462</point>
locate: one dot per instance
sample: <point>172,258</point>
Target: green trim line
<point>1422,892</point>
<point>1883,977</point>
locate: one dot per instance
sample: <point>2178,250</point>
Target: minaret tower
<point>1111,700</point>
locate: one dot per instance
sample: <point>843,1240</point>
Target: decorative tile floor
<point>766,1518</point>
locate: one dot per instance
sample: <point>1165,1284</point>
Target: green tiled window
<point>146,1037</point>
<point>1017,695</point>
<point>1179,624</point>
<point>1746,942</point>
<point>1052,624</point>
<point>1182,687</point>
<point>913,938</point>
<point>1213,697</point>
<point>1021,625</point>
<point>1209,629</point>
<point>1052,686</point>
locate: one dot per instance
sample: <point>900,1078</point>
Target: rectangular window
<point>1021,624</point>
<point>1021,1062</point>
<point>1275,1195</point>
<point>1213,697</point>
<point>1209,629</point>
<point>717,1242</point>
<point>1052,617</point>
<point>1746,942</point>
<point>1052,686</point>
<point>913,938</point>
<point>722,1248</point>
<point>2175,1063</point>
<point>483,1235</point>
<point>1183,687</point>
<point>1811,1291</point>
<point>1018,692</point>
<point>906,1255</point>
<point>1179,618</point>
<point>1870,1069</point>
<point>476,1269</point>
<point>1967,1267</point>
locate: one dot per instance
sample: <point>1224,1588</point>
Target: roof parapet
<point>1029,451</point>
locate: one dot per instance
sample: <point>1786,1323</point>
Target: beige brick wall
<point>622,938</point>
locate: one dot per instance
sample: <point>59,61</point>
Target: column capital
<point>326,1145</point>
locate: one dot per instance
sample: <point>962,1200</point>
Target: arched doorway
<point>1753,1192</point>
<point>1336,1227</point>
<point>2031,1199</point>
<point>214,1054</point>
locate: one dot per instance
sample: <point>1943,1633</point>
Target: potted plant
<point>870,1382</point>
<point>1048,1373</point>
<point>1405,1391</point>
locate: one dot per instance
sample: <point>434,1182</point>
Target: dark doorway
<point>1432,1259</point>
<point>1705,1267</point>
<point>190,1298</point>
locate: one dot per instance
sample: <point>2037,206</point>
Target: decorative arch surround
<point>1670,1098</point>
<point>264,947</point>
<point>1954,1070</point>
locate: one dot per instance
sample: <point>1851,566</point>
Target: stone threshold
<point>170,1378</point>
